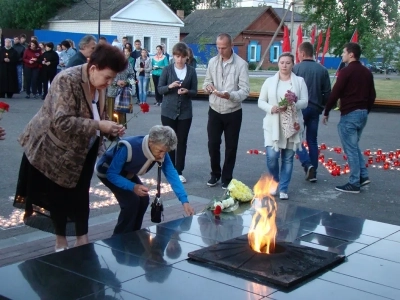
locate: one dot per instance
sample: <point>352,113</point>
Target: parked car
<point>376,68</point>
<point>390,69</point>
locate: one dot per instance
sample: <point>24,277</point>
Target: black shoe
<point>213,181</point>
<point>310,174</point>
<point>27,96</point>
<point>225,185</point>
<point>37,96</point>
<point>364,181</point>
<point>348,188</point>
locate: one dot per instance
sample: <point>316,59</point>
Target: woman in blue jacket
<point>120,167</point>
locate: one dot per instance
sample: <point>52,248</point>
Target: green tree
<point>29,14</point>
<point>186,5</point>
<point>372,18</point>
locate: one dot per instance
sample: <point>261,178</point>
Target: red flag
<point>354,38</point>
<point>326,46</point>
<point>286,40</point>
<point>313,35</point>
<point>299,41</point>
<point>319,44</point>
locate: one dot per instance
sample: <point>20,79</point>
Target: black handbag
<point>157,207</point>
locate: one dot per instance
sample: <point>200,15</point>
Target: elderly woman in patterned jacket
<point>61,144</point>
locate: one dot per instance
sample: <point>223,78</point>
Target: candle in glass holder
<point>368,152</point>
<point>323,147</point>
<point>379,152</point>
<point>386,165</point>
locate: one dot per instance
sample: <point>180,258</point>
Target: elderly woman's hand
<point>110,127</point>
<point>2,133</point>
<point>141,190</point>
<point>188,209</point>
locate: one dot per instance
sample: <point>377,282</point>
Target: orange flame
<point>263,228</point>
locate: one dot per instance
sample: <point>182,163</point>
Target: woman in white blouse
<point>277,145</point>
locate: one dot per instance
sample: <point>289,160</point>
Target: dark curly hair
<point>107,56</point>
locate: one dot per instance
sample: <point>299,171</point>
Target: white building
<point>298,7</point>
<point>150,21</point>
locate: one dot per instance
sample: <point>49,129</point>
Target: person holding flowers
<point>282,97</point>
<point>3,107</point>
<point>61,144</point>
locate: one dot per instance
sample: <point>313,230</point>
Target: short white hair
<point>163,135</point>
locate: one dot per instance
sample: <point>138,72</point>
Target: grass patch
<point>385,89</point>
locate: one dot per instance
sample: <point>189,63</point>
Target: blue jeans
<point>311,121</point>
<point>286,166</point>
<point>19,74</point>
<point>350,128</point>
<point>143,83</point>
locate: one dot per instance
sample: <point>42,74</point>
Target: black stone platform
<point>153,263</point>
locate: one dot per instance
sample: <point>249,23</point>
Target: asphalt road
<point>379,201</point>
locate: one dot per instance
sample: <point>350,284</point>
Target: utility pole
<point>98,24</point>
<point>273,38</point>
<point>292,27</point>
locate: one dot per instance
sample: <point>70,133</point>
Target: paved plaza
<point>370,244</point>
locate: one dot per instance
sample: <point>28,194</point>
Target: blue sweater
<point>132,156</point>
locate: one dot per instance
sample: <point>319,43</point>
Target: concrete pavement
<point>379,201</point>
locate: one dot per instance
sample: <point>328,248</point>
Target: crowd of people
<point>69,128</point>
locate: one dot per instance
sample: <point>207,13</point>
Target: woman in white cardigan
<point>277,145</point>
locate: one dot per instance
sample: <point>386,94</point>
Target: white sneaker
<point>283,196</point>
<point>182,179</point>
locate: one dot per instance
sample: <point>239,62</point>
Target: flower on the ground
<point>217,210</point>
<point>3,107</point>
<point>289,99</point>
<point>239,191</point>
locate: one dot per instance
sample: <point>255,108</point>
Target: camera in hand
<point>157,209</point>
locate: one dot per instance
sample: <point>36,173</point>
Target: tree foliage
<point>29,14</point>
<point>377,22</point>
<point>186,5</point>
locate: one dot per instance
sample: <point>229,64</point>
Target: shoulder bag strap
<point>159,180</point>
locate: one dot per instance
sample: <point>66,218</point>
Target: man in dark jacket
<point>318,84</point>
<point>8,70</point>
<point>86,48</point>
<point>356,90</point>
<point>20,50</point>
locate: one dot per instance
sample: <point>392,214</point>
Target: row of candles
<point>389,160</point>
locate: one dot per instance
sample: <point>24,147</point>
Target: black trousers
<point>31,78</point>
<point>47,76</point>
<point>40,81</point>
<point>9,95</point>
<point>132,207</point>
<point>159,97</point>
<point>229,124</point>
<point>181,128</point>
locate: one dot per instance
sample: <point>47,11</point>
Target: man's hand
<point>7,59</point>
<point>210,88</point>
<point>188,209</point>
<point>325,120</point>
<point>223,95</point>
<point>141,190</point>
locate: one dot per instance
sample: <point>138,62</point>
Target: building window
<point>165,42</point>
<point>253,52</point>
<point>130,39</point>
<point>275,53</point>
<point>147,43</point>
